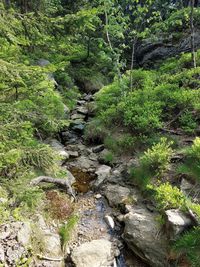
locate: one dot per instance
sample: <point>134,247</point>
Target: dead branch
<point>46,179</point>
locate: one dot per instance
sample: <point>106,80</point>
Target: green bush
<point>188,122</point>
<point>153,163</point>
<point>158,157</point>
<point>191,165</point>
<point>168,197</point>
<point>95,131</point>
<point>121,143</point>
<point>66,229</point>
<point>189,245</point>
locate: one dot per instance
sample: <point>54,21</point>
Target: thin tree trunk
<point>192,34</point>
<point>110,44</point>
<point>107,32</point>
<point>132,62</point>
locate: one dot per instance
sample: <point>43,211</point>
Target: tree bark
<point>192,34</point>
<point>62,182</point>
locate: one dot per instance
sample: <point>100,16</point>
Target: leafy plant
<point>66,230</point>
<point>168,196</point>
<point>189,245</point>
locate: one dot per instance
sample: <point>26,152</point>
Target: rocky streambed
<point>117,226</point>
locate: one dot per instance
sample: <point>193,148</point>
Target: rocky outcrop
<point>96,253</point>
<point>143,236</point>
<point>150,51</point>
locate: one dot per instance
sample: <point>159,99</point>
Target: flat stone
<point>82,110</point>
<point>97,253</point>
<point>77,116</point>
<point>79,128</point>
<point>81,102</point>
<point>73,154</point>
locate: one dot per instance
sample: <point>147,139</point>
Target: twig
<point>41,257</point>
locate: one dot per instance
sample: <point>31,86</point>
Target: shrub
<point>142,112</point>
<point>189,245</point>
<point>95,131</point>
<point>168,197</point>
<point>158,157</point>
<point>30,198</point>
<point>66,230</point>
<point>121,143</point>
<point>153,163</point>
<point>191,165</point>
<point>188,122</point>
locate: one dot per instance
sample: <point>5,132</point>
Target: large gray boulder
<point>97,253</point>
<point>143,235</point>
<point>119,195</point>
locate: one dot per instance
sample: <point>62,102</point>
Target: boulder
<point>52,245</point>
<point>96,253</point>
<point>68,137</point>
<point>73,154</point>
<point>143,236</point>
<point>82,110</point>
<point>177,222</point>
<point>57,146</point>
<point>119,195</point>
<point>102,173</point>
<point>79,128</point>
<point>84,163</point>
<point>42,62</point>
<point>77,116</point>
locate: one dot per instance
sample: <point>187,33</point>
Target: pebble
<point>98,196</point>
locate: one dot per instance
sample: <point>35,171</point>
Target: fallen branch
<point>41,257</point>
<point>62,182</point>
<point>176,132</point>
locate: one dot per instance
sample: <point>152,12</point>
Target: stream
<point>96,216</point>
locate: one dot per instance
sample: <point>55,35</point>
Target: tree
<point>192,33</point>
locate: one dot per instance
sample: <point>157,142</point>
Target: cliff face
<point>148,52</point>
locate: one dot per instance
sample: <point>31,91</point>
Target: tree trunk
<point>132,61</point>
<point>192,33</point>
